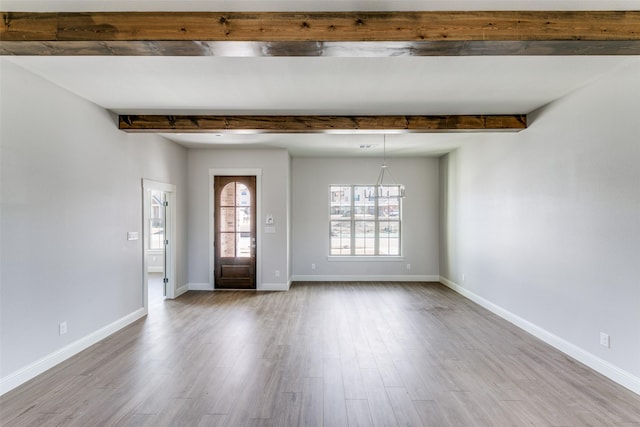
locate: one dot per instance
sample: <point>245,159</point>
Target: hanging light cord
<point>384,167</point>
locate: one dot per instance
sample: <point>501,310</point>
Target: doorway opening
<point>158,240</point>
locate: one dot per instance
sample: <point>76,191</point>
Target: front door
<point>235,232</point>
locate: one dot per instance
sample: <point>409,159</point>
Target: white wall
<point>273,247</point>
<point>545,224</point>
<point>71,189</point>
<point>311,178</point>
<point>155,262</point>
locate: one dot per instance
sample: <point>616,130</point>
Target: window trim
<point>376,220</point>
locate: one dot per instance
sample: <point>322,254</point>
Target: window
<point>156,221</point>
<point>362,224</point>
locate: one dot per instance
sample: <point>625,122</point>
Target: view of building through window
<point>364,222</point>
<point>235,223</point>
<point>156,221</point>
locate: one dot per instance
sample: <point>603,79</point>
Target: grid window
<point>156,221</point>
<point>364,220</point>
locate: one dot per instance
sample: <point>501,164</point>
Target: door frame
<point>257,172</point>
<point>170,235</point>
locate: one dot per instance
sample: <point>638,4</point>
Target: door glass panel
<point>227,219</point>
<point>243,245</point>
<point>243,219</point>
<point>228,195</point>
<point>235,221</point>
<point>227,245</point>
<point>243,196</point>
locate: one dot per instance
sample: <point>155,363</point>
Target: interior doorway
<point>159,221</point>
<point>235,232</point>
<point>155,242</point>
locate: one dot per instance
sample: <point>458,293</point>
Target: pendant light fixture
<point>384,172</point>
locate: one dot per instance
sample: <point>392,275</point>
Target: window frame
<point>156,219</point>
<point>352,221</point>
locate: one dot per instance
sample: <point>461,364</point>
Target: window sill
<point>349,258</point>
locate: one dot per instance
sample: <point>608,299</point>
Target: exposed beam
<point>320,124</point>
<point>322,33</point>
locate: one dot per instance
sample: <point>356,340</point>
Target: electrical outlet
<point>277,273</point>
<point>604,340</point>
<point>313,266</point>
<point>62,328</point>
<point>408,266</point>
<point>463,277</point>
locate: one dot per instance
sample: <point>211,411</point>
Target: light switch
<point>269,229</point>
<point>133,235</point>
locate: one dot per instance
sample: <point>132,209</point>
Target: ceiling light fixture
<point>384,189</point>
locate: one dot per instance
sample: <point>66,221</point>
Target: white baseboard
<point>364,278</point>
<point>607,369</point>
<point>274,287</point>
<point>181,290</point>
<point>262,287</point>
<point>200,286</point>
<point>34,369</point>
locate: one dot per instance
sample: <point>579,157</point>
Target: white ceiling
<point>321,85</point>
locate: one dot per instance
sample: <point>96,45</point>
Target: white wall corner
<point>614,373</point>
<point>36,368</point>
<point>181,290</point>
<point>200,286</point>
<point>364,278</point>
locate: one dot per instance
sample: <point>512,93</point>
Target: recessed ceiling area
<point>325,85</point>
<point>281,85</point>
<point>336,145</point>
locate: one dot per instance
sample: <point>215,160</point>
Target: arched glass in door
<point>235,224</point>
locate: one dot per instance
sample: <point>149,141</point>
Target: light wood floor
<point>332,354</point>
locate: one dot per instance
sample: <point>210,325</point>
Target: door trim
<point>170,234</point>
<point>257,172</point>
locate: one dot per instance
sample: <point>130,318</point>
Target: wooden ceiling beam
<point>321,33</point>
<point>320,124</point>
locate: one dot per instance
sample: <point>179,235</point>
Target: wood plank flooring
<point>322,354</point>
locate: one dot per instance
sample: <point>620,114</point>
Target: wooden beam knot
<point>423,33</point>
